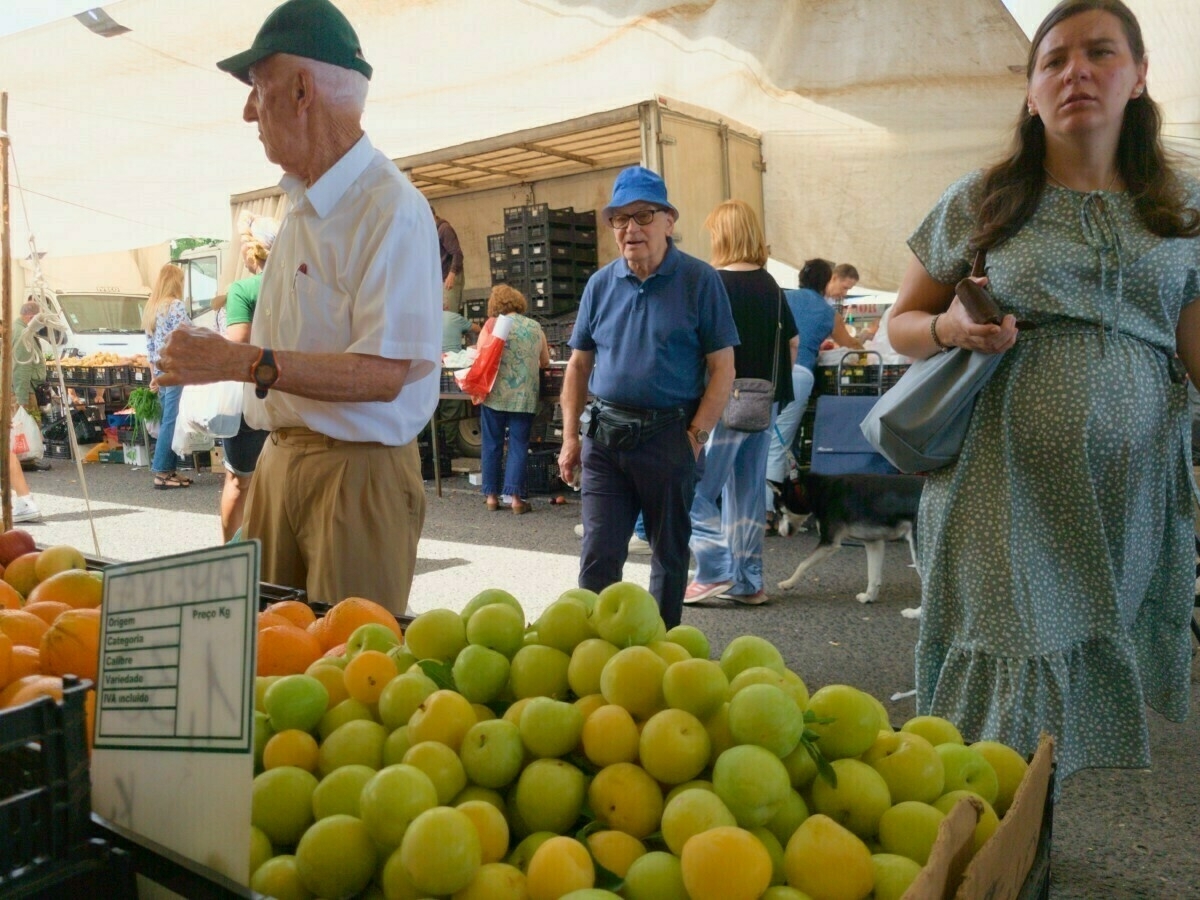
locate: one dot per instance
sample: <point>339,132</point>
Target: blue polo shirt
<point>650,338</point>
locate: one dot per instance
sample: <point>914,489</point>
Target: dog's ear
<point>795,497</point>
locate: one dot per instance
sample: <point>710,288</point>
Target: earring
<point>1138,93</point>
<point>1032,111</point>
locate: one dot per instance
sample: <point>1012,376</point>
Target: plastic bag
<point>25,436</point>
<point>188,439</point>
<point>214,409</point>
<point>478,380</point>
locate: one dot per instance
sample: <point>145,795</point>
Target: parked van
<point>100,321</point>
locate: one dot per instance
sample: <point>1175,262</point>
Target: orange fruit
<point>367,675</point>
<point>317,629</point>
<point>25,661</point>
<point>291,747</point>
<point>74,587</point>
<point>46,610</point>
<point>339,650</point>
<point>23,627</point>
<point>6,649</point>
<point>71,646</point>
<point>344,617</point>
<point>286,650</point>
<point>10,597</point>
<point>268,619</point>
<point>299,612</point>
<point>30,688</point>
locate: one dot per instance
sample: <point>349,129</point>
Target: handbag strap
<point>778,334</point>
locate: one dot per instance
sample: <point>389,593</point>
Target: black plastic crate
<point>552,287</point>
<point>584,234</point>
<point>498,257</point>
<point>520,215</point>
<point>76,375</point>
<point>45,791</point>
<point>140,375</point>
<point>516,234</point>
<point>476,309</point>
<point>558,330</point>
<point>448,384</point>
<point>560,351</point>
<point>550,382</point>
<point>554,305</point>
<point>541,472</point>
<point>57,450</point>
<point>518,268</point>
<point>585,255</point>
<point>110,375</point>
<point>500,274</point>
<point>495,243</point>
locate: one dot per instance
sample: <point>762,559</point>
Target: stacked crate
<point>546,254</point>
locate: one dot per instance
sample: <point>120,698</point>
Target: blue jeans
<point>494,423</point>
<point>786,424</point>
<point>659,478</point>
<point>729,509</point>
<point>165,460</point>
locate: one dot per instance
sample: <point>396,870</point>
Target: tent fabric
<point>867,108</point>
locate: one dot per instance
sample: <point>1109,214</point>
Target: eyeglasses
<point>642,217</point>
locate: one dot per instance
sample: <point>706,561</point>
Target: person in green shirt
<point>242,450</point>
<point>29,362</point>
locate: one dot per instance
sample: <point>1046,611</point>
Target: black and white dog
<point>872,509</point>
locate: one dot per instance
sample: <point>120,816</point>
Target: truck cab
<point>101,320</point>
<point>202,280</point>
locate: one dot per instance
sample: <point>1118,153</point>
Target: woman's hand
<point>956,329</point>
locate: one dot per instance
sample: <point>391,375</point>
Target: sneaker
<point>25,510</point>
<point>637,545</point>
<point>579,530</point>
<point>697,592</point>
<point>756,599</point>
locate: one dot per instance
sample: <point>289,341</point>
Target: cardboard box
<point>1014,864</point>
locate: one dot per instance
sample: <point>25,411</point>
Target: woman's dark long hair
<point>816,274</point>
<point>1012,188</point>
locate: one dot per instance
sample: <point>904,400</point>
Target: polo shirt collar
<point>667,267</point>
<point>325,193</point>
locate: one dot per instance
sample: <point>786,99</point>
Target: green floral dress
<point>1056,555</point>
<point>517,380</point>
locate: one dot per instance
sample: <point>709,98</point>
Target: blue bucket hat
<point>314,29</point>
<point>638,184</point>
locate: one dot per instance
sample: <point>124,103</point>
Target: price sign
<point>174,741</point>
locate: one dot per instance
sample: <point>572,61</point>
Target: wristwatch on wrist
<point>264,373</point>
<point>699,433</point>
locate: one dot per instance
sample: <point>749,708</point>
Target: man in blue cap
<point>345,346</point>
<point>653,342</point>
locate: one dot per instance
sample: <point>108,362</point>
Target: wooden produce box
<point>1014,864</point>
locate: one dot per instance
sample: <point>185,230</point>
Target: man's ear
<point>304,91</point>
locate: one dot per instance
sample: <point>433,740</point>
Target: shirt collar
<point>667,267</point>
<point>330,187</point>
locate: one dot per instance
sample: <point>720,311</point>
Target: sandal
<point>520,507</point>
<point>492,504</point>
<point>170,482</point>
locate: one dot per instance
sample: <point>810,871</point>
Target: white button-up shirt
<point>355,269</point>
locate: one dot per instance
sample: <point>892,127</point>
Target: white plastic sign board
<point>173,754</point>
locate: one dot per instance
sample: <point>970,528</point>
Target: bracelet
<point>942,348</point>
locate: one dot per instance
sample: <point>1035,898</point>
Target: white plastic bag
<point>188,439</point>
<point>213,409</point>
<point>25,436</point>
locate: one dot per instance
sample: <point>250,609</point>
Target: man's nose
<point>250,110</point>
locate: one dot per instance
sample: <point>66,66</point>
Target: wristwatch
<point>264,373</point>
<point>700,434</point>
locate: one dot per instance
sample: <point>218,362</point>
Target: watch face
<point>265,374</point>
<point>701,436</point>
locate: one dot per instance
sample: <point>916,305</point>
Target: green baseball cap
<point>314,29</point>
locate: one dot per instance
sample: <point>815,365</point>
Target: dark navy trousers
<point>658,478</point>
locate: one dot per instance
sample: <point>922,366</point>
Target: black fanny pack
<point>624,427</point>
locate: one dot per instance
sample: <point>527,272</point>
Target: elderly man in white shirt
<point>346,342</point>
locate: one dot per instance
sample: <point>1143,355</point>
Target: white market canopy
<point>867,108</point>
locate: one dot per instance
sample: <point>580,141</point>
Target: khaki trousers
<point>337,518</point>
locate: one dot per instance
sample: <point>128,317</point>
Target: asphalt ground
<point>1117,833</point>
